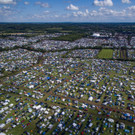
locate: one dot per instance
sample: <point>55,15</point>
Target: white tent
<point>31,86</point>
<point>2,134</point>
<point>5,108</point>
<point>74,124</point>
<point>2,125</point>
<point>111,120</point>
<point>1,111</point>
<point>11,105</point>
<point>63,113</point>
<point>90,98</point>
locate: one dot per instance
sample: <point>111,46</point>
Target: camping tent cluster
<point>53,119</point>
<point>93,83</point>
<point>7,43</point>
<point>131,54</point>
<point>84,53</point>
<point>67,95</point>
<point>17,59</point>
<point>132,41</point>
<point>44,42</point>
<point>19,41</point>
<point>52,54</point>
<point>59,45</point>
<point>120,41</point>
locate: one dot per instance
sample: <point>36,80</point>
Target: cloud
<point>132,8</point>
<point>94,13</point>
<point>126,1</point>
<point>87,11</point>
<point>131,11</point>
<point>72,7</point>
<point>46,12</point>
<point>7,2</point>
<point>101,12</point>
<point>81,13</point>
<point>41,16</point>
<point>110,12</point>
<point>103,3</point>
<point>26,3</point>
<point>5,11</point>
<point>44,5</point>
<point>6,7</point>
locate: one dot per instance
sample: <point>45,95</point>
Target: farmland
<point>105,54</point>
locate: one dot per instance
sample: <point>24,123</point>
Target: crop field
<point>105,54</point>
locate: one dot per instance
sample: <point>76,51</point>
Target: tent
<point>48,78</point>
<point>2,134</point>
<point>90,98</point>
<point>2,125</point>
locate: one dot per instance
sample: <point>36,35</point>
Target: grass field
<point>105,54</point>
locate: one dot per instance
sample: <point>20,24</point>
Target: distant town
<point>67,79</point>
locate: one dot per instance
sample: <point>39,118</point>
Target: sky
<point>67,10</point>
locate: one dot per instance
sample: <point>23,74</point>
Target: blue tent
<point>29,93</point>
<point>127,131</point>
<point>130,117</point>
<point>41,103</point>
<point>36,103</point>
<point>48,78</point>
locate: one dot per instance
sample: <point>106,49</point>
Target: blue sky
<point>67,10</point>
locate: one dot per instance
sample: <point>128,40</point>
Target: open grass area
<point>105,54</point>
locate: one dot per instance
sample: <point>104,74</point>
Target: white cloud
<point>132,8</point>
<point>110,12</point>
<point>56,16</point>
<point>7,2</point>
<point>87,11</point>
<point>6,7</point>
<point>81,13</point>
<point>37,16</point>
<point>126,1</point>
<point>44,5</point>
<point>103,3</point>
<point>101,12</point>
<point>72,7</point>
<point>5,11</point>
<point>26,3</point>
<point>46,12</point>
<point>44,15</point>
<point>94,13</point>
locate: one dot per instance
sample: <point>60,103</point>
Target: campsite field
<point>67,79</point>
<point>68,96</point>
<point>105,54</point>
